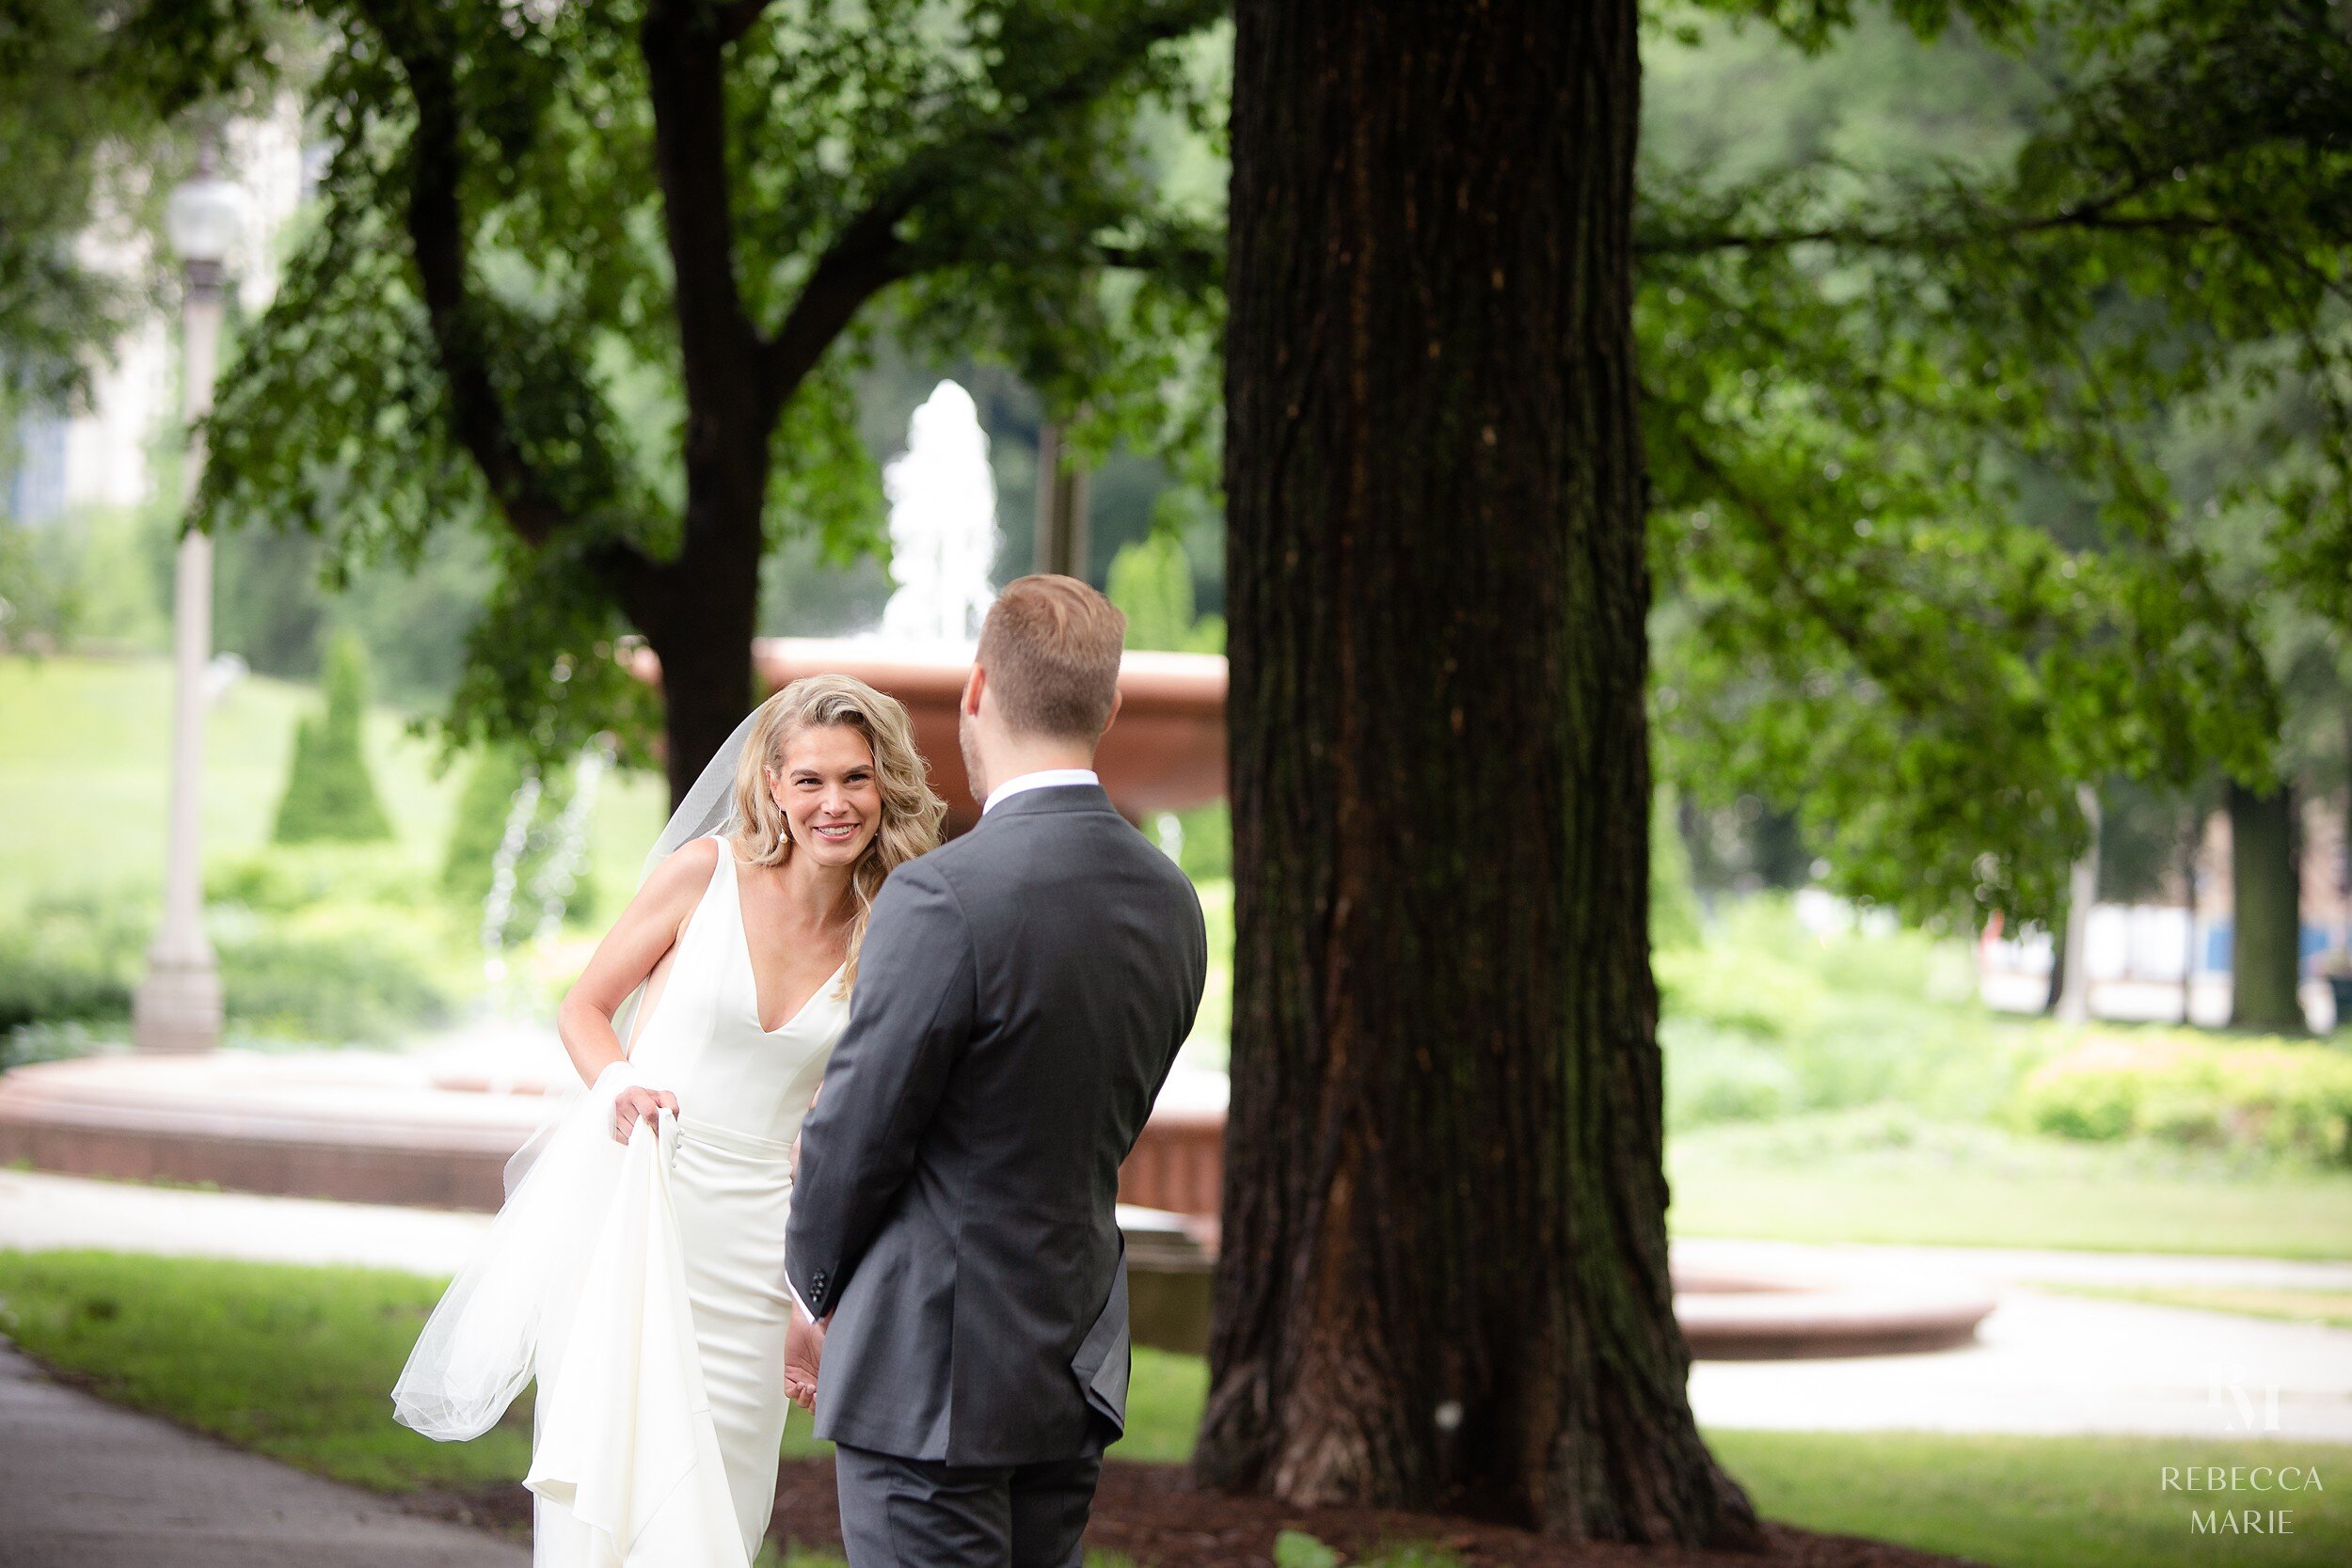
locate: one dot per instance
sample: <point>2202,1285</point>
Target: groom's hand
<point>633,1106</point>
<point>804,1349</point>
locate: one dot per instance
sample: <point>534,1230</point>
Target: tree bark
<point>2192,841</point>
<point>2058,939</point>
<point>731,409</point>
<point>705,654</point>
<point>2265,882</point>
<point>2070,968</point>
<point>1443,1280</point>
<point>698,610</point>
<point>1776,849</point>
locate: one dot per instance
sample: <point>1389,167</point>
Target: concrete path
<point>2029,1266</point>
<point>38,1211</point>
<point>2049,1364</point>
<point>2042,1362</point>
<point>85,1485</point>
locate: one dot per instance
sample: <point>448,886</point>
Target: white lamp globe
<point>204,218</point>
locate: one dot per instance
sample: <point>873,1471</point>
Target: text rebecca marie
<point>2241,1479</point>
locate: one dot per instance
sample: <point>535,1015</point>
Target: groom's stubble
<point>968,738</point>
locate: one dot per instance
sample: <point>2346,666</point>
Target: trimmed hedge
<point>330,794</point>
<point>333,971</point>
<point>2269,1094</point>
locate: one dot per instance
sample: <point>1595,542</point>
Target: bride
<point>745,944</point>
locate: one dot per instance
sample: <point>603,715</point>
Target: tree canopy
<point>1863,378</point>
<point>597,273</point>
<point>87,146</point>
<point>1913,401</point>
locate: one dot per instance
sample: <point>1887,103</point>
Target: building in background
<point>63,462</point>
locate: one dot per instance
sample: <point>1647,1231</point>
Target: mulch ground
<point>1151,1513</point>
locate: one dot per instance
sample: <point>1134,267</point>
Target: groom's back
<point>987,1317</point>
<point>1089,958</point>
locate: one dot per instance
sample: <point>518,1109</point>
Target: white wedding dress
<point>661,1409</point>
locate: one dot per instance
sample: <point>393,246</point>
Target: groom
<point>1021,995</point>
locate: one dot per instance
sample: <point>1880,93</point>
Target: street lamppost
<point>177,1003</point>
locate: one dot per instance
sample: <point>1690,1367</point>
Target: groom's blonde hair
<point>1051,645</point>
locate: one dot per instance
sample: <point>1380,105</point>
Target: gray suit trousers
<point>917,1513</point>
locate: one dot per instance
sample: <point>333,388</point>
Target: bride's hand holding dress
<point>740,1090</point>
<point>634,1105</point>
<point>642,1284</point>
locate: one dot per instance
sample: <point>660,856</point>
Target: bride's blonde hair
<point>912,813</point>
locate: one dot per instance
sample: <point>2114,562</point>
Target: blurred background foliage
<point>1986,457</point>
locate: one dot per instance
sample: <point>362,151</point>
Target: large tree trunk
<point>732,403</point>
<point>1443,1280</point>
<point>2060,937</point>
<point>1776,845</point>
<point>2192,842</point>
<point>705,682</point>
<point>700,622</point>
<point>2069,971</point>
<point>2265,882</point>
<point>701,625</point>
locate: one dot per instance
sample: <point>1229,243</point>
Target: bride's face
<point>828,793</point>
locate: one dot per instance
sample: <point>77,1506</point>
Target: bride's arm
<point>645,931</point>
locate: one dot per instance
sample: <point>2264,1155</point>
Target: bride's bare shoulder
<point>683,873</point>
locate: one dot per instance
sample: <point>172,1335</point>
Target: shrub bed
<point>2267,1094</point>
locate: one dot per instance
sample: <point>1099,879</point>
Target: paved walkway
<point>2029,1266</point>
<point>2050,1364</point>
<point>86,1484</point>
<point>38,1211</point>
<point>2042,1362</point>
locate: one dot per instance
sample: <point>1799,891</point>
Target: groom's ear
<point>971,685</point>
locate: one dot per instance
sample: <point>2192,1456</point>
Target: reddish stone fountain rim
<point>435,1128</point>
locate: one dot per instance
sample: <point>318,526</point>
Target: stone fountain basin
<point>433,1128</point>
<point>430,1127</point>
<point>1733,1309</point>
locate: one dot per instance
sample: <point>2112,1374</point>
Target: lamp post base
<point>177,1007</point>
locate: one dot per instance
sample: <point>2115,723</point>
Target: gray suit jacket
<point>1021,996</point>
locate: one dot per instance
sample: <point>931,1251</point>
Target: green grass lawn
<point>326,944</point>
<point>1881,1176</point>
<point>297,1363</point>
<point>2331,1309</point>
<point>86,763</point>
<point>2041,1502</point>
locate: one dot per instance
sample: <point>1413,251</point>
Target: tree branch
<point>2093,214</point>
<point>437,234</point>
<point>435,219</point>
<point>718,346</point>
<point>738,16</point>
<point>2084,218</point>
<point>1897,676</point>
<point>868,256</point>
<point>1175,256</point>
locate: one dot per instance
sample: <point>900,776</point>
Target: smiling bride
<point>741,946</point>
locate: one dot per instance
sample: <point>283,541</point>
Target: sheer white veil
<point>707,808</point>
<point>482,1342</point>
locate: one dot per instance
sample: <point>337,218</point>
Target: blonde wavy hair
<point>912,813</point>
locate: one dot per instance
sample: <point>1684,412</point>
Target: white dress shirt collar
<point>1044,778</point>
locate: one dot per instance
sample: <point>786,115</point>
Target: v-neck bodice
<point>703,1042</point>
